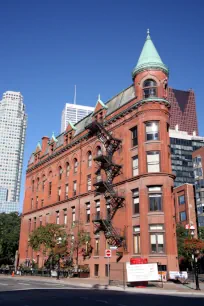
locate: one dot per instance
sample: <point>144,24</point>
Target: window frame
<point>180,213</point>
<point>136,168</point>
<point>156,192</point>
<point>152,133</point>
<point>179,197</point>
<point>157,232</point>
<point>136,196</point>
<point>138,242</point>
<point>89,159</point>
<point>151,151</point>
<point>134,139</point>
<point>66,191</point>
<point>75,165</point>
<point>60,173</point>
<point>154,86</point>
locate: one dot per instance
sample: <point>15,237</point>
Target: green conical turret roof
<point>149,58</point>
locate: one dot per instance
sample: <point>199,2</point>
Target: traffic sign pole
<point>108,271</point>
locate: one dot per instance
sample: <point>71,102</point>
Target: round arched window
<point>150,88</point>
<point>89,159</point>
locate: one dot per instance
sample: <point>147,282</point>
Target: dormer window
<point>149,88</point>
<point>66,139</point>
<point>52,148</point>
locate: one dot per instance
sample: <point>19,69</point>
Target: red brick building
<point>185,206</point>
<point>111,173</point>
<point>183,110</point>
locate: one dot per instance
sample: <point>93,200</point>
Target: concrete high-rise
<point>74,113</point>
<point>13,121</point>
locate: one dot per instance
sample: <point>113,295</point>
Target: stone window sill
<point>136,216</point>
<point>154,213</point>
<point>157,255</point>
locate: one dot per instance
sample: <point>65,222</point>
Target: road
<point>17,292</point>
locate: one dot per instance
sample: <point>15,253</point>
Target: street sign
<point>113,247</point>
<point>108,253</point>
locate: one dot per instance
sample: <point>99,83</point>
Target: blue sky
<point>49,46</point>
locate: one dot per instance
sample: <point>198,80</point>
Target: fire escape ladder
<point>105,187</point>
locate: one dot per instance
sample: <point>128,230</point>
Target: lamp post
<point>195,259</point>
<point>59,241</point>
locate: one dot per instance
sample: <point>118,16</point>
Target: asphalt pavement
<point>17,292</point>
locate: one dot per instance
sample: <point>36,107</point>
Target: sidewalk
<point>101,284</point>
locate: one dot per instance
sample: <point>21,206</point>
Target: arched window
<point>89,159</point>
<point>38,183</point>
<point>50,175</point>
<point>75,165</point>
<point>98,151</point>
<point>60,172</point>
<point>67,169</point>
<point>33,185</point>
<point>43,182</point>
<point>150,88</point>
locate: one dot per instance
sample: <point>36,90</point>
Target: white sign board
<point>143,272</point>
<point>176,275</point>
<point>113,247</point>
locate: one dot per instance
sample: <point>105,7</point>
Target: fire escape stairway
<point>111,169</point>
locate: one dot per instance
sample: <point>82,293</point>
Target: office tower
<point>12,138</point>
<point>74,113</point>
<point>182,146</point>
<point>198,166</point>
<point>183,110</point>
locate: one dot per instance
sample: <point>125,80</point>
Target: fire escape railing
<point>105,186</point>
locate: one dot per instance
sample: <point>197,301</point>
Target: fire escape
<point>114,201</point>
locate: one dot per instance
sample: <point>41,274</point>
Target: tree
<point>51,240</point>
<point>9,237</point>
<point>193,245</point>
<point>183,254</point>
<point>201,232</point>
<point>82,238</point>
<point>181,235</point>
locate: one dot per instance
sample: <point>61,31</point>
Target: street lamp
<point>195,259</point>
<point>59,241</point>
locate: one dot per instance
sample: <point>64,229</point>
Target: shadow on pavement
<point>91,297</point>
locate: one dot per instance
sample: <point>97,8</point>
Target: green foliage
<point>45,238</point>
<point>9,237</point>
<point>51,239</point>
<point>201,232</point>
<point>181,234</point>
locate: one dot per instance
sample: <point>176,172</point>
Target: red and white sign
<point>108,253</point>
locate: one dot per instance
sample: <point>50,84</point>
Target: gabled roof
<point>149,58</point>
<point>38,148</point>
<point>99,105</point>
<point>53,138</point>
<point>70,126</point>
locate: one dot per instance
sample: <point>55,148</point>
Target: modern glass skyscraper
<point>74,113</point>
<point>182,146</point>
<point>13,122</point>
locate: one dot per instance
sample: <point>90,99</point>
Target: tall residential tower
<point>12,138</point>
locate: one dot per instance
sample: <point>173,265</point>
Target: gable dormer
<point>69,133</point>
<point>37,152</point>
<point>100,110</point>
<point>52,143</point>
